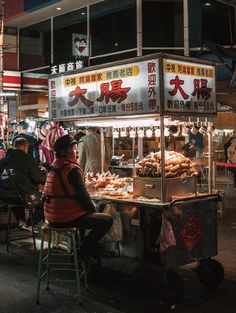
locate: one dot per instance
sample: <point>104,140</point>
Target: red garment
<point>61,209</point>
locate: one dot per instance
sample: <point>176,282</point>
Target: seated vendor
<point>68,203</point>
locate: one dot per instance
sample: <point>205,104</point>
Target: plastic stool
<point>15,235</point>
<point>47,265</point>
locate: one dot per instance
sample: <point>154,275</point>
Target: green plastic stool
<point>47,265</point>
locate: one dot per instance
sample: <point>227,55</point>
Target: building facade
<point>44,36</point>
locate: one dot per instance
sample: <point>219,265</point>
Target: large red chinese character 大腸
<point>78,94</point>
<point>117,93</point>
<point>177,87</point>
<point>201,89</point>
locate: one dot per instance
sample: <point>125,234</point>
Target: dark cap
<point>64,142</point>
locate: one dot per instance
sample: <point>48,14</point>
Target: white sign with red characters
<point>189,88</point>
<point>128,89</point>
<point>79,45</point>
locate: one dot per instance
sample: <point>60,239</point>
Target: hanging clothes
<point>46,153</point>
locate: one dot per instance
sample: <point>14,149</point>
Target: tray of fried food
<point>117,194</point>
<point>98,180</point>
<point>176,165</point>
<point>149,166</point>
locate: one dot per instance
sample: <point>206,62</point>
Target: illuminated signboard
<point>128,89</point>
<point>135,88</point>
<point>189,88</point>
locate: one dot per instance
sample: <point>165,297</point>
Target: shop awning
<point>32,107</point>
<point>226,92</point>
<point>227,98</point>
<point>14,80</point>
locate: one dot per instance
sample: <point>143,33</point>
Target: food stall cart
<point>165,215</point>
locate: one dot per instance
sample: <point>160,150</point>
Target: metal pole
<point>214,175</point>
<point>186,27</point>
<point>1,53</point>
<point>102,149</point>
<point>140,148</point>
<point>113,142</point>
<point>133,146</point>
<point>162,126</point>
<point>88,35</point>
<point>210,162</point>
<point>1,66</point>
<point>139,28</point>
<point>18,49</point>
<point>52,41</point>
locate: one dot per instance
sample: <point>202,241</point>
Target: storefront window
<point>33,97</point>
<point>113,26</point>
<point>35,45</point>
<point>113,58</point>
<point>222,32</point>
<point>162,23</point>
<point>170,51</point>
<point>70,37</point>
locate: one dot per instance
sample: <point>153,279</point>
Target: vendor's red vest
<point>57,207</point>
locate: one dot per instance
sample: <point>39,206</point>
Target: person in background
<point>227,145</point>
<point>22,129</point>
<point>198,138</point>
<point>189,149</point>
<point>79,135</point>
<point>90,152</point>
<point>19,176</point>
<point>67,201</point>
<point>42,133</point>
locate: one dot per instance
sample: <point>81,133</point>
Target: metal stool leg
<point>40,265</point>
<point>32,225</point>
<point>8,228</point>
<point>48,258</point>
<point>84,271</point>
<point>77,274</point>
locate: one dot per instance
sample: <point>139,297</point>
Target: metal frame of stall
<point>75,82</point>
<point>175,61</point>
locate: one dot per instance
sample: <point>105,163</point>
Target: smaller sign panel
<point>66,67</point>
<point>189,88</point>
<point>79,45</point>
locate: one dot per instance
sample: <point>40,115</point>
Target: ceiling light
<point>58,9</point>
<point>207,3</point>
<point>83,13</point>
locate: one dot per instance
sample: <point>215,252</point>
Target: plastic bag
<point>115,233</point>
<point>166,238</point>
<point>34,199</point>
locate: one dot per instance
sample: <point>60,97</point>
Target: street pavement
<point>120,286</point>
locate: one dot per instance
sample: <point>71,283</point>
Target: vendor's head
<point>66,147</point>
<point>22,127</point>
<point>21,144</point>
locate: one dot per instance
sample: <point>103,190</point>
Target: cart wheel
<point>210,272</point>
<point>175,287</point>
